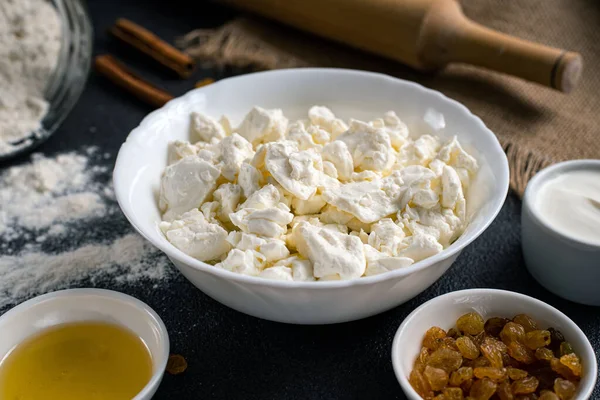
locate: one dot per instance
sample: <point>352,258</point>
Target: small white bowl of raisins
<point>486,344</point>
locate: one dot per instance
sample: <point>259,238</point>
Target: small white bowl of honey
<point>82,343</point>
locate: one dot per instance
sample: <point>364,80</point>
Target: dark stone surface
<point>232,355</point>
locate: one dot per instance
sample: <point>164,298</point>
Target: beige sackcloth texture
<point>536,126</point>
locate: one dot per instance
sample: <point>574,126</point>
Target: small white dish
<point>74,305</point>
<point>443,311</point>
<point>363,95</point>
<point>567,267</point>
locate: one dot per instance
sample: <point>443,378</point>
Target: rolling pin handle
<point>449,36</point>
<point>567,71</point>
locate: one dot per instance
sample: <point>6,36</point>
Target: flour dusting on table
<point>56,213</point>
<point>49,191</point>
<point>125,260</point>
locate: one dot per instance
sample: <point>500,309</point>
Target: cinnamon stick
<point>109,67</point>
<point>150,44</point>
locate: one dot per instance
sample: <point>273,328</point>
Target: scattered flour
<point>54,231</point>
<point>127,259</point>
<point>48,191</point>
<point>30,42</point>
<point>52,211</point>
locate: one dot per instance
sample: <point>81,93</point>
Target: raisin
<point>572,362</point>
<point>526,322</point>
<point>467,347</point>
<point>419,383</point>
<point>482,389</point>
<point>526,385</point>
<point>548,395</point>
<point>512,333</point>
<point>439,397</point>
<point>461,375</point>
<point>515,373</point>
<point>446,359</point>
<point>466,385</point>
<point>564,389</point>
<point>531,396</point>
<point>562,370</point>
<point>556,338</point>
<point>492,351</point>
<point>544,353</point>
<point>566,348</point>
<point>509,361</point>
<point>454,333</point>
<point>503,391</point>
<point>471,323</point>
<point>501,346</point>
<point>453,393</point>
<point>448,343</point>
<point>431,335</point>
<point>478,339</point>
<point>436,377</point>
<point>536,339</point>
<point>481,362</point>
<point>176,364</point>
<point>421,359</point>
<point>437,343</point>
<point>521,353</point>
<point>495,374</point>
<point>494,325</point>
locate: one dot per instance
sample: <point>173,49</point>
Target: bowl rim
<point>535,185</point>
<point>402,376</point>
<point>110,294</point>
<point>175,254</point>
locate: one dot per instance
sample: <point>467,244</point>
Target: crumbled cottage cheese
<point>315,199</point>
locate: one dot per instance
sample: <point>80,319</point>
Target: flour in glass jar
<point>30,44</point>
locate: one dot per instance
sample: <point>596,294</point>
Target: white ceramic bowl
<point>362,95</point>
<point>443,311</point>
<point>65,306</point>
<point>564,265</point>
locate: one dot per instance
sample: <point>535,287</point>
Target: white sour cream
<point>570,204</point>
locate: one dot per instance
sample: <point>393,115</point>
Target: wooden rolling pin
<point>425,34</point>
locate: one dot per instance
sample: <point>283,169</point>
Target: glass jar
<point>68,80</point>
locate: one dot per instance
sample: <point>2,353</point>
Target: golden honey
<point>87,360</point>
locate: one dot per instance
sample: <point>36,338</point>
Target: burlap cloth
<point>536,126</point>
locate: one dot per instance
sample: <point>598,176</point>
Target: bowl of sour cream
<point>561,229</point>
